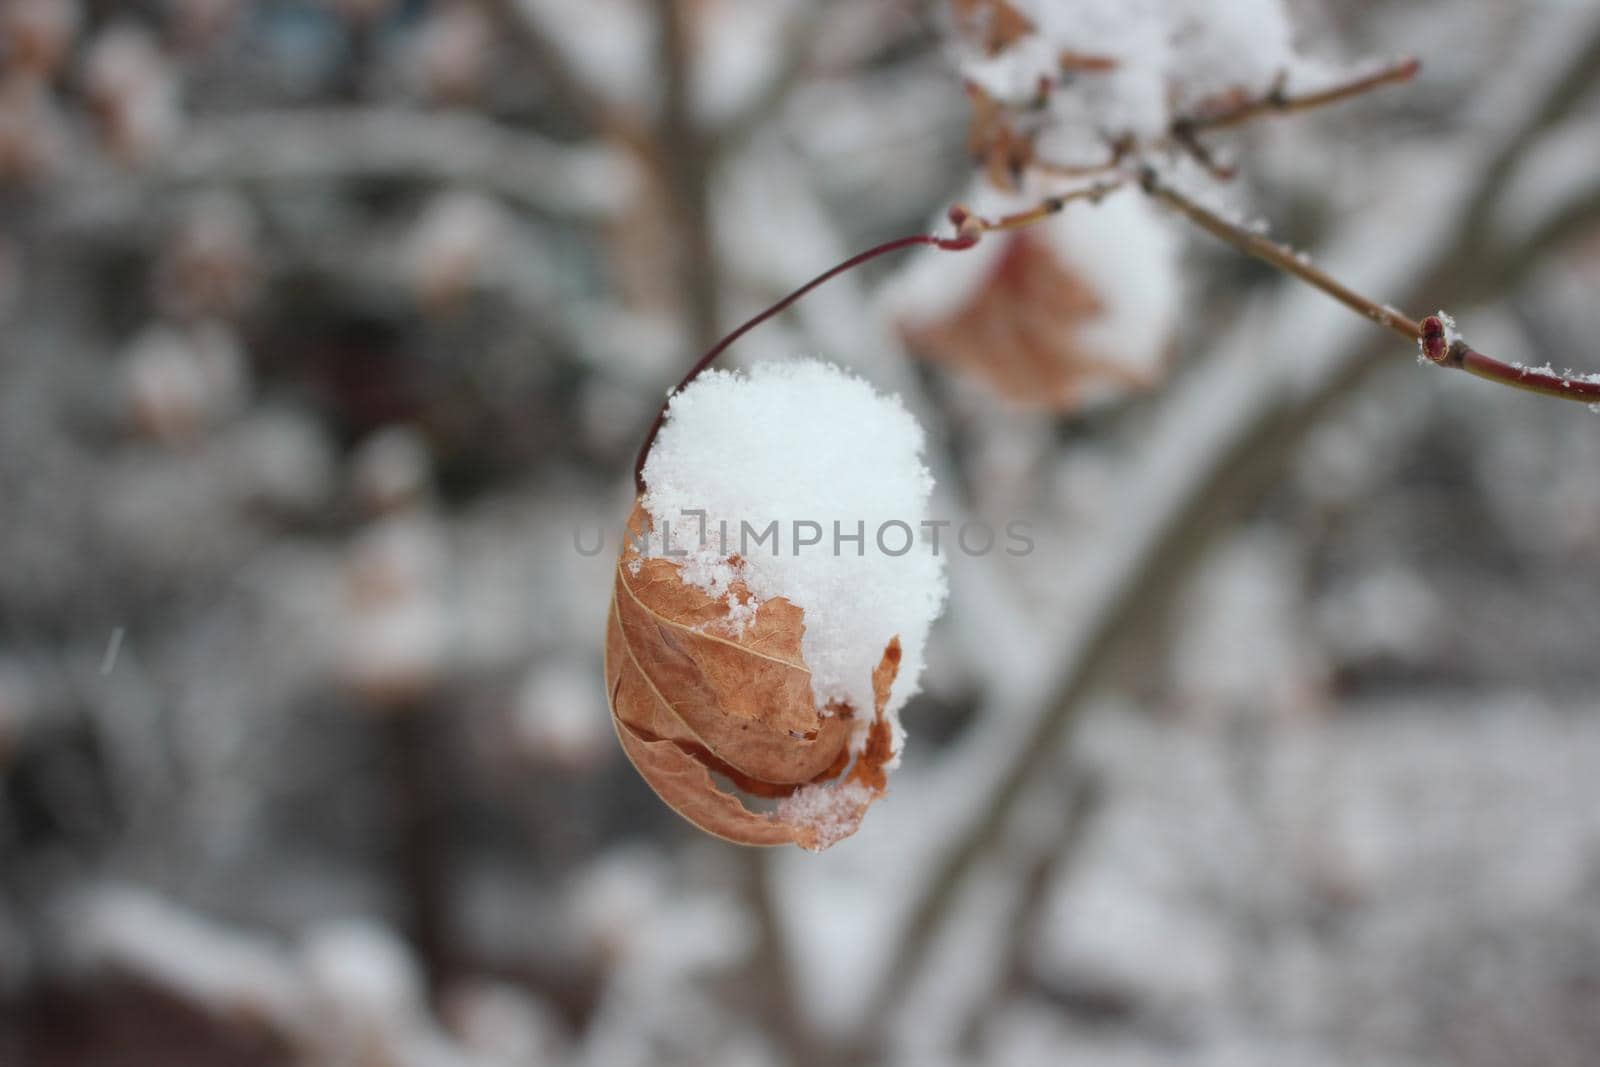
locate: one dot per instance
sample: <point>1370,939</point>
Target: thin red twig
<point>1438,348</point>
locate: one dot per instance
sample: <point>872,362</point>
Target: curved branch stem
<point>966,238</point>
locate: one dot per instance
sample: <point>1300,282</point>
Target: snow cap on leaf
<point>779,663</point>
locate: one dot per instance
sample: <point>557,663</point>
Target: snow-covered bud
<point>777,646</point>
<point>1438,337</point>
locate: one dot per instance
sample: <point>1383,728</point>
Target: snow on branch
<point>1053,87</point>
<point>1006,129</point>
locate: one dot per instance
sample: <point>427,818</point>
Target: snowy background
<point>323,323</point>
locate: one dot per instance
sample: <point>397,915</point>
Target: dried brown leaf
<point>991,24</point>
<point>692,696</point>
<point>1002,151</point>
<point>1021,330</point>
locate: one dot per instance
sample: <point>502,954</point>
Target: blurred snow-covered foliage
<point>328,331</point>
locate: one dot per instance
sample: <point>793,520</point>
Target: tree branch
<point>1280,256</point>
<point>1183,132</point>
<point>1431,334</point>
<point>1220,440</point>
<point>1278,101</point>
<point>969,226</point>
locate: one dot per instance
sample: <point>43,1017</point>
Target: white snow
<point>1170,55</point>
<point>1451,334</point>
<point>803,442</point>
<point>832,812</point>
